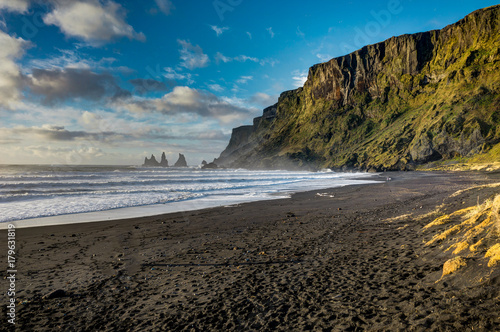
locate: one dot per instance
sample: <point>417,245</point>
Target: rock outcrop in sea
<point>151,162</point>
<point>410,100</point>
<point>164,161</point>
<point>209,166</point>
<point>181,162</point>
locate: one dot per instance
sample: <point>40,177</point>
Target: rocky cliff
<point>407,101</point>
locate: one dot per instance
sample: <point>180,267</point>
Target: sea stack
<point>164,161</point>
<point>151,162</point>
<point>181,162</point>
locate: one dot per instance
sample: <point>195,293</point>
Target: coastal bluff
<point>410,101</point>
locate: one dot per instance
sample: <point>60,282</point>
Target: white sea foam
<point>42,191</point>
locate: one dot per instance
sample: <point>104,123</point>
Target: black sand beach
<point>342,259</point>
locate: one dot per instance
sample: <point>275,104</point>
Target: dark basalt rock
<point>56,294</point>
<point>164,161</point>
<point>181,162</point>
<point>151,162</point>
<point>210,166</point>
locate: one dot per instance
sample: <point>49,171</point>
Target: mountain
<point>407,101</point>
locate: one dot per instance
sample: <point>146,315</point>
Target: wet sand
<point>329,260</point>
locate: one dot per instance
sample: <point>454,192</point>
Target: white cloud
<point>240,58</point>
<point>269,61</point>
<point>185,100</point>
<point>216,87</point>
<point>245,58</point>
<point>244,79</point>
<point>56,133</point>
<point>92,21</point>
<point>172,74</point>
<point>249,35</point>
<point>68,135</point>
<point>300,33</point>
<point>31,113</point>
<point>192,56</point>
<point>271,33</point>
<point>20,6</point>
<point>263,99</point>
<point>11,48</point>
<point>90,120</point>
<point>324,57</point>
<point>299,78</point>
<point>221,57</point>
<point>219,30</point>
<point>71,59</point>
<point>102,121</point>
<point>165,6</point>
<point>212,135</point>
<point>62,154</point>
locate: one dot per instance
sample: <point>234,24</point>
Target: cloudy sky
<point>109,82</point>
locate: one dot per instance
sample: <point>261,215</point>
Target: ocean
<point>36,191</point>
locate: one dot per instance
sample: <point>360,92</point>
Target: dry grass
<point>477,246</point>
<point>459,247</point>
<point>471,216</point>
<point>453,265</point>
<point>484,167</point>
<point>398,218</point>
<point>474,228</point>
<point>433,213</point>
<point>495,213</point>
<point>494,254</point>
<point>448,218</point>
<point>491,185</point>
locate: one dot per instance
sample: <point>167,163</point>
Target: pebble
<point>56,294</point>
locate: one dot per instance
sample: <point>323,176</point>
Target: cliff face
<point>408,100</point>
<point>237,146</point>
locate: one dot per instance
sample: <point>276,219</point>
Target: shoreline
<point>351,259</point>
<point>167,208</point>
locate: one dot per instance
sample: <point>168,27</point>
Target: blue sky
<point>110,82</point>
